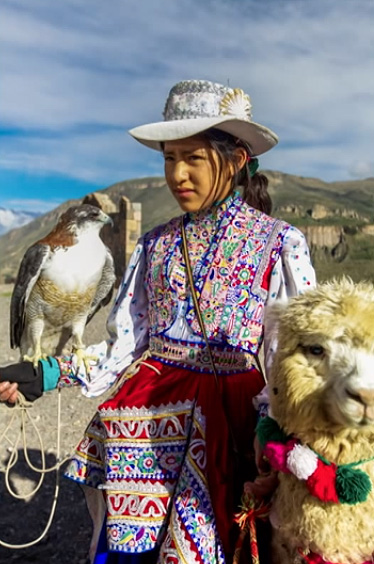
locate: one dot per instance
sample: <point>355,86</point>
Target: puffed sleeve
<point>127,326</point>
<point>292,274</point>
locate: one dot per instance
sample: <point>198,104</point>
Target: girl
<point>185,332</point>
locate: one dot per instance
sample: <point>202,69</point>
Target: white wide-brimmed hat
<point>193,106</point>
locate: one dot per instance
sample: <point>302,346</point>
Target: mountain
<point>337,219</point>
<point>10,219</point>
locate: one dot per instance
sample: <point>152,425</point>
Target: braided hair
<point>255,184</point>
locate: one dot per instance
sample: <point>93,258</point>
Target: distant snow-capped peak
<point>10,219</point>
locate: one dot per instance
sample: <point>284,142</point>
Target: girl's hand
<point>262,464</point>
<point>263,486</point>
<point>8,392</point>
<point>266,482</point>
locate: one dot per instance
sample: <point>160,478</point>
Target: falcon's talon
<point>34,358</point>
<point>83,357</point>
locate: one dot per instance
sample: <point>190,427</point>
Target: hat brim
<point>258,137</point>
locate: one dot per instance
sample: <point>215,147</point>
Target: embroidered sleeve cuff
<point>68,376</point>
<point>51,373</point>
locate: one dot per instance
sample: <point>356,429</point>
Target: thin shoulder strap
<point>198,312</point>
<point>202,326</point>
<point>195,301</point>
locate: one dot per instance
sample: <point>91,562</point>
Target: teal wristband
<point>51,373</point>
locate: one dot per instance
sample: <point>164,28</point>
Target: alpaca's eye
<point>316,350</point>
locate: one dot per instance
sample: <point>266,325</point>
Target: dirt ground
<point>22,521</point>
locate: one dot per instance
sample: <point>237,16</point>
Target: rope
<point>22,412</point>
<point>132,370</point>
<point>347,465</point>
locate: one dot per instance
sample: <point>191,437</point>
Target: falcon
<point>63,280</point>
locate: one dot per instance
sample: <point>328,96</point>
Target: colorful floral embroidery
<point>145,465</point>
<point>232,261</point>
<point>88,466</point>
<point>68,376</point>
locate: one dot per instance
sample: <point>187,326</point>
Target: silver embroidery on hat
<point>203,99</point>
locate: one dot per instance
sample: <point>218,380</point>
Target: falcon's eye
<point>316,350</point>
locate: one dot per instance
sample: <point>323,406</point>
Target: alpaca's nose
<point>363,395</point>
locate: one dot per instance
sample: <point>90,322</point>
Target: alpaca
<point>322,397</point>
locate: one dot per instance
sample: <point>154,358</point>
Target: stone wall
<point>120,238</point>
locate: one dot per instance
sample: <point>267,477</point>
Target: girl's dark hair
<point>255,188</point>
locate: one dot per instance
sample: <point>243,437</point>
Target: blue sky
<point>77,74</point>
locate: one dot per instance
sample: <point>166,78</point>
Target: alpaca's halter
<point>22,415</point>
<point>329,482</point>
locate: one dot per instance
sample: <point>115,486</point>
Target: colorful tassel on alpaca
<point>326,481</point>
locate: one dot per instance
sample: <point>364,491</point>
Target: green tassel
<point>268,430</point>
<point>352,485</point>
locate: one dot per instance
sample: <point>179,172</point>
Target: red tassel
<point>321,483</point>
<point>252,509</point>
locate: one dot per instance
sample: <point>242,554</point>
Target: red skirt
<point>162,450</point>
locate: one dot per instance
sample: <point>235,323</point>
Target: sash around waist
<point>196,356</point>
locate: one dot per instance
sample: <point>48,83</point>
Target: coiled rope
<point>22,413</point>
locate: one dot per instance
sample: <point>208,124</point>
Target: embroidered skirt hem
<point>160,449</point>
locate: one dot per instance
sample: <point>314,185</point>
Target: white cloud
<point>362,169</point>
<point>31,205</point>
<point>76,72</point>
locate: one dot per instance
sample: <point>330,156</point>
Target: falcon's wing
<point>28,273</point>
<point>105,287</point>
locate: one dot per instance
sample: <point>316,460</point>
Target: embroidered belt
<point>196,356</point>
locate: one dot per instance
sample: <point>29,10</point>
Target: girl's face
<point>194,174</point>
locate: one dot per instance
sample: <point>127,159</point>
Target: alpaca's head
<point>323,373</point>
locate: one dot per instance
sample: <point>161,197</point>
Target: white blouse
<point>127,323</point>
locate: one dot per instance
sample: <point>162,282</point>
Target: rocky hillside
<point>337,218</point>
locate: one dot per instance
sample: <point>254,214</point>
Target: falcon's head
<point>83,218</point>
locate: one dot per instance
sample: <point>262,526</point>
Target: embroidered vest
<point>232,252</point>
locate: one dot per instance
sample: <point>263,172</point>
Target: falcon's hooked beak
<point>106,219</point>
